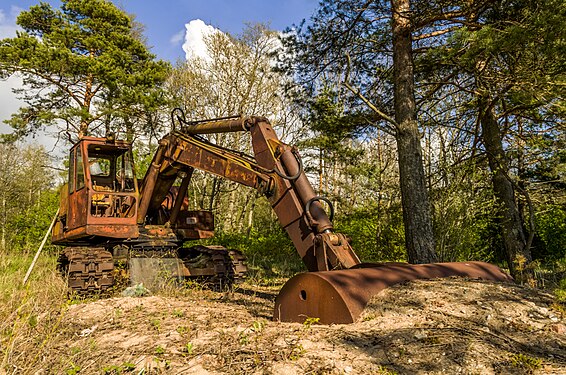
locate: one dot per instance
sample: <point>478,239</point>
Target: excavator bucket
<point>337,297</point>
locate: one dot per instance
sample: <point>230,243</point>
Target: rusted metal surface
<point>340,296</point>
<point>276,172</point>
<point>220,126</point>
<point>97,205</point>
<point>293,192</point>
<point>218,264</point>
<point>181,195</point>
<point>149,184</point>
<point>102,207</point>
<point>319,219</point>
<point>107,209</point>
<point>333,251</point>
<point>179,154</point>
<point>208,157</point>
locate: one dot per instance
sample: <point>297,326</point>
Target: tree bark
<point>516,251</point>
<point>419,237</point>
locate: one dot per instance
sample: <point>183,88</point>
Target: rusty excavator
<point>107,216</point>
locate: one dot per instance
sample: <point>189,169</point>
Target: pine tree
<point>83,69</point>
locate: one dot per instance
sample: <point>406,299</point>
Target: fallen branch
<point>40,247</point>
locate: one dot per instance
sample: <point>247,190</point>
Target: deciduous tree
<point>235,77</point>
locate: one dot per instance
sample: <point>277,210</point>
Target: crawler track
<point>88,270</point>
<point>216,266</point>
<point>91,270</point>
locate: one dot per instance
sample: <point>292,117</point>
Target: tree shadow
<point>259,304</point>
<point>447,342</point>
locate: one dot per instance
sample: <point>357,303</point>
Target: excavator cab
<point>102,193</point>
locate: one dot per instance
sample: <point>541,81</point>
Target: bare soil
<point>449,326</point>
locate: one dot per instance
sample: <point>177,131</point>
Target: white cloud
<point>10,104</point>
<point>177,38</point>
<point>196,31</point>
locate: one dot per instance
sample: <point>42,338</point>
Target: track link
<point>239,266</point>
<point>87,270</point>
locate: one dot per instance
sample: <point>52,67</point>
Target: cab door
<point>78,194</point>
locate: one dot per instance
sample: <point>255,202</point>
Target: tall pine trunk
<point>419,237</point>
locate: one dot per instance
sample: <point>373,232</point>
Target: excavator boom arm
<point>275,171</point>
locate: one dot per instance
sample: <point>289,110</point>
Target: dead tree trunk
<point>419,237</point>
<point>516,251</point>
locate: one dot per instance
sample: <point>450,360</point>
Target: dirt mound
<point>422,327</point>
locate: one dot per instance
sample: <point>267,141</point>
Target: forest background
<point>481,121</point>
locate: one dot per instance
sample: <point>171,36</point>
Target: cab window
<point>72,171</point>
<point>99,167</point>
<point>80,170</point>
<point>111,168</point>
<point>125,171</point>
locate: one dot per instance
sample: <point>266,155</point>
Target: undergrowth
<point>271,257</point>
<point>30,315</point>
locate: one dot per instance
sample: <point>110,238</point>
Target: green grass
<point>30,315</point>
<point>560,292</point>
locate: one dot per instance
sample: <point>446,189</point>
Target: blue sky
<point>164,20</point>
<point>229,16</point>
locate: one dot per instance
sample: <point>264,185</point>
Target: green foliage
<point>82,64</point>
<point>27,199</point>
<point>330,117</point>
<point>526,362</point>
<point>560,292</point>
<point>117,370</point>
<point>269,254</point>
<point>189,347</point>
<point>377,232</point>
<point>27,228</point>
<point>258,326</point>
<point>307,324</point>
<point>73,369</point>
<point>385,371</point>
<point>551,225</point>
<point>159,350</point>
<point>155,324</point>
<point>297,352</point>
<point>465,216</point>
<point>143,155</point>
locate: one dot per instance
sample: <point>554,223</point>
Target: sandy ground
<point>450,326</point>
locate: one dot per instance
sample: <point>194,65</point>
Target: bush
<point>465,216</point>
<point>269,254</point>
<point>551,228</point>
<point>560,292</point>
<point>27,228</point>
<point>377,233</point>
